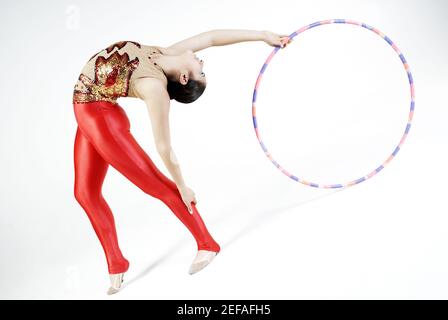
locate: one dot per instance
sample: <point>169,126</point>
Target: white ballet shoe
<point>202,259</point>
<point>115,283</point>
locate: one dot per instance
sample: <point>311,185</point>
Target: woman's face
<point>197,67</point>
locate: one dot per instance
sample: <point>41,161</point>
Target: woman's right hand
<point>276,40</point>
<point>188,196</point>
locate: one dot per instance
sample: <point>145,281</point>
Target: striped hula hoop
<point>397,148</point>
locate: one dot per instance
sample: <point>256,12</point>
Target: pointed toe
<point>202,259</point>
<point>115,283</point>
<point>112,290</point>
<point>195,267</point>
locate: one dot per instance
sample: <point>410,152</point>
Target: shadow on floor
<point>262,217</point>
<point>259,219</point>
<point>155,264</point>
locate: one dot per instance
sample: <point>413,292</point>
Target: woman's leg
<point>90,170</point>
<point>107,127</point>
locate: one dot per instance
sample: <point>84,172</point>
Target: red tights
<point>103,137</point>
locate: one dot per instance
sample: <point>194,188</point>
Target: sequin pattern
<point>111,81</point>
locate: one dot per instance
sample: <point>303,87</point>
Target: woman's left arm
<point>222,37</point>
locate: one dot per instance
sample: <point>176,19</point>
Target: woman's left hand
<point>188,197</point>
<point>276,40</point>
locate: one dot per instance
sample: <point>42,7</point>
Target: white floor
<point>385,238</point>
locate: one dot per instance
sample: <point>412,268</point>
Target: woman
<point>103,137</point>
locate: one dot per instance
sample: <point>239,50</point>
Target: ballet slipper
<point>202,259</point>
<point>115,282</point>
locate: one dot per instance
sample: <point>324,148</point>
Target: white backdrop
<point>331,108</point>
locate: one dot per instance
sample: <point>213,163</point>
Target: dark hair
<point>185,93</point>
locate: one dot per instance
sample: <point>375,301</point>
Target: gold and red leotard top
<point>108,75</point>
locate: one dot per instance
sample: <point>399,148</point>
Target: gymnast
<point>155,75</point>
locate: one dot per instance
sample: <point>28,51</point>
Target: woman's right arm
<point>153,92</point>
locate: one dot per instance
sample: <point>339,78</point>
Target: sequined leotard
<point>109,74</point>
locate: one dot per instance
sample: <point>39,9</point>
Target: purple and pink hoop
<point>397,148</point>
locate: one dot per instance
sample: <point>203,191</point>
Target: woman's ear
<point>183,78</point>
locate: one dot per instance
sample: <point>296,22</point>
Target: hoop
<point>397,148</point>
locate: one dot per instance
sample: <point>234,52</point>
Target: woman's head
<point>189,82</point>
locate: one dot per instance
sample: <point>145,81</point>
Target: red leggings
<point>103,137</point>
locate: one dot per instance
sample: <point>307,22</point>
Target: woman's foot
<point>115,283</point>
<point>202,259</point>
